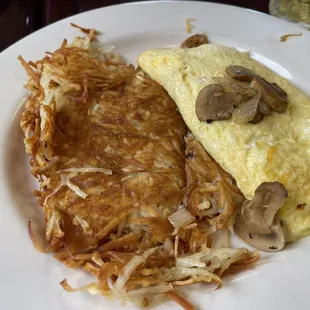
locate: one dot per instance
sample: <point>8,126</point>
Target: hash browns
<point>107,146</point>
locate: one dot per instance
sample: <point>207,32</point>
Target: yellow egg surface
<point>275,149</point>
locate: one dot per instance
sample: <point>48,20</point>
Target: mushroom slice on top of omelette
<point>254,123</point>
<point>124,196</point>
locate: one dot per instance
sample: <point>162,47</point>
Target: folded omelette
<point>275,149</point>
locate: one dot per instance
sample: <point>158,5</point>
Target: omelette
<point>275,149</point>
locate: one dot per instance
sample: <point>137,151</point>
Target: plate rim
<point>52,261</point>
<point>152,2</point>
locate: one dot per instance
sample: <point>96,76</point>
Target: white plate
<point>30,280</point>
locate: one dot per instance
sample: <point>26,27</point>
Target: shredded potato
<point>124,196</point>
<point>289,35</point>
<point>189,26</point>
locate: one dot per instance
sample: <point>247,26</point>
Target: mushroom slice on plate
<point>240,73</point>
<point>195,41</point>
<point>257,223</point>
<point>272,94</point>
<point>213,103</point>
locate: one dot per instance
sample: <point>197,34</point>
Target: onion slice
<point>246,112</point>
<point>180,218</point>
<point>128,270</point>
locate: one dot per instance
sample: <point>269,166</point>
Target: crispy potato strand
<point>173,295</point>
<point>106,144</point>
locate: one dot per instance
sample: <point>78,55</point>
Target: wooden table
<point>19,18</point>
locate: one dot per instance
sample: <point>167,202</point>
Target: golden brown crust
<point>107,147</point>
<point>117,119</point>
<point>209,187</point>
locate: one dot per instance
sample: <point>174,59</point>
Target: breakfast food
<point>275,149</point>
<point>243,95</point>
<point>127,193</point>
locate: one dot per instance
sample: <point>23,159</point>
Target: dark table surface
<point>19,18</point>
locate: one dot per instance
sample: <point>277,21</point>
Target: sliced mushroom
<point>276,98</point>
<point>279,89</point>
<point>240,73</point>
<point>235,86</point>
<point>257,223</point>
<point>273,242</point>
<point>264,108</point>
<point>247,111</point>
<point>235,98</point>
<point>258,117</point>
<point>212,103</point>
<point>195,41</point>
